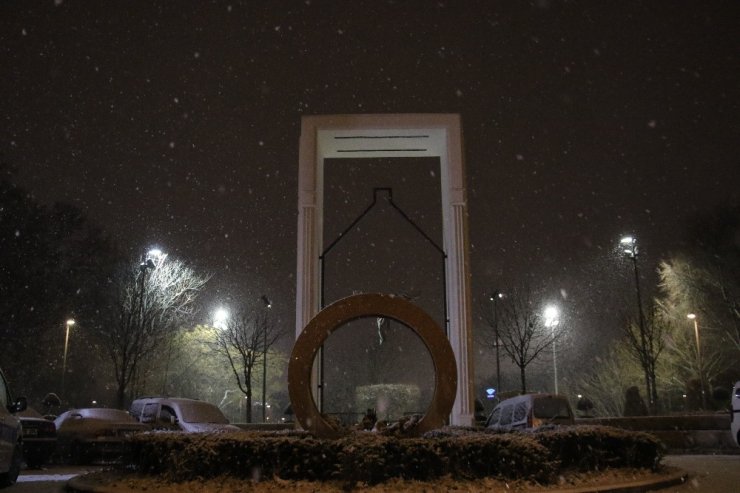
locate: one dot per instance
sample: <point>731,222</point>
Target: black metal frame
<point>322,302</point>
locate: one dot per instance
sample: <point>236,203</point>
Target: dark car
<point>95,435</point>
<point>735,413</point>
<point>11,437</point>
<point>39,437</point>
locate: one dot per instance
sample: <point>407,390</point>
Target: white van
<point>530,411</point>
<point>735,413</point>
<point>178,413</point>
<point>11,437</point>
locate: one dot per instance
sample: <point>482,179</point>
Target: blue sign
<point>490,393</point>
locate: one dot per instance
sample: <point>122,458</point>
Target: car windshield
<point>202,412</point>
<point>549,408</point>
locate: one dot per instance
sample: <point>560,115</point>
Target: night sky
<point>176,124</point>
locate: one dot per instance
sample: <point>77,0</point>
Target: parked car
<point>178,413</point>
<point>98,435</point>
<point>530,411</point>
<point>735,413</point>
<point>11,436</point>
<point>39,437</point>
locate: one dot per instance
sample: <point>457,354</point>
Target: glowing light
<point>551,316</point>
<point>631,243</point>
<point>220,317</point>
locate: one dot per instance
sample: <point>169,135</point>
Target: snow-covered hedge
<point>373,458</point>
<point>593,447</point>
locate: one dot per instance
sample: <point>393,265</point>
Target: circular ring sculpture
<point>345,310</point>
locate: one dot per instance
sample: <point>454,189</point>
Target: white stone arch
<point>380,136</point>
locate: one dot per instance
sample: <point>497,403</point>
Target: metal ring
<point>345,310</point>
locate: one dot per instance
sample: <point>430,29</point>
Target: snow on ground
<point>27,478</point>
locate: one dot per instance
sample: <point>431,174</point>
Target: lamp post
<point>629,246</point>
<point>69,323</point>
<point>494,301</point>
<point>268,305</point>
<point>152,260</point>
<point>552,321</point>
<point>700,360</point>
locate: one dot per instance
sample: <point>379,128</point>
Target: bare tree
<point>686,364</point>
<point>699,287</point>
<point>522,330</point>
<point>151,299</point>
<point>612,374</point>
<point>244,340</point>
<point>713,240</point>
<point>693,353</point>
<point>646,346</point>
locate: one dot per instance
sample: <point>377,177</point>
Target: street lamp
<point>692,316</point>
<point>156,256</point>
<point>497,295</point>
<point>152,260</point>
<point>268,305</point>
<point>70,322</point>
<point>220,317</point>
<point>629,246</point>
<point>552,321</point>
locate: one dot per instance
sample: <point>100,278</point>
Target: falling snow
<point>184,122</point>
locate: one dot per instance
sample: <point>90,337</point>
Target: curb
<point>673,479</point>
<point>80,484</point>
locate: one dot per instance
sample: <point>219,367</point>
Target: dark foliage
<point>54,264</point>
<point>634,405</point>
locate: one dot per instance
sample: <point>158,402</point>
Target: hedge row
<point>594,447</point>
<point>372,458</point>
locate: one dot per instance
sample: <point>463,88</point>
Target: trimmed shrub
<point>591,448</point>
<point>510,456</point>
<point>179,457</point>
<point>372,458</point>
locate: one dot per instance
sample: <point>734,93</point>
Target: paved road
<point>50,479</point>
<point>707,473</point>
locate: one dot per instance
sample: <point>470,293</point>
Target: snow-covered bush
<point>590,447</point>
<point>365,457</point>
